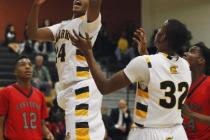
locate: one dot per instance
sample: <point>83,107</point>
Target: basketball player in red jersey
<point>22,107</point>
<point>196,110</point>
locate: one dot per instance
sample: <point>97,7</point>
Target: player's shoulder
<point>184,63</point>
<point>7,90</point>
<point>141,57</point>
<point>37,92</point>
<point>152,56</point>
<point>65,22</point>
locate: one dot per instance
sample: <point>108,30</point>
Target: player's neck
<point>197,73</point>
<point>77,15</point>
<point>166,50</point>
<point>24,84</point>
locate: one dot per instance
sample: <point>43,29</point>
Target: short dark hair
<point>205,52</point>
<point>178,35</point>
<point>21,57</point>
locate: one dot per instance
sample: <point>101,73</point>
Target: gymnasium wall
<point>116,13</point>
<point>194,13</point>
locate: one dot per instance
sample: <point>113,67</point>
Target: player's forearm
<point>46,132</point>
<point>100,79</point>
<point>1,128</point>
<point>93,10</point>
<point>1,136</point>
<point>33,21</point>
<point>200,117</point>
<point>1,133</point>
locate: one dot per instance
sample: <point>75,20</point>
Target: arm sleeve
<point>54,29</point>
<point>92,28</point>
<point>137,70</point>
<point>4,103</point>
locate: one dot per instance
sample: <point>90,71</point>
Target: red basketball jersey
<point>23,111</point>
<point>198,101</point>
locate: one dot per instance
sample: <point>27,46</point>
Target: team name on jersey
<point>63,34</point>
<point>28,104</point>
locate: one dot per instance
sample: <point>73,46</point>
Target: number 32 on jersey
<point>170,89</point>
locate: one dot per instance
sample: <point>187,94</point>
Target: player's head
<point>198,56</point>
<point>122,104</point>
<point>39,60</point>
<point>23,68</point>
<point>80,7</point>
<point>172,36</point>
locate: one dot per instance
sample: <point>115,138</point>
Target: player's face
<point>194,56</point>
<point>160,36</point>
<point>80,7</point>
<point>23,69</point>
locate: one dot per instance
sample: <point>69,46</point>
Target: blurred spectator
<point>41,77</point>
<point>120,121</point>
<point>10,35</point>
<point>122,47</point>
<point>40,48</point>
<point>56,121</point>
<point>122,43</point>
<point>10,38</point>
<point>26,48</point>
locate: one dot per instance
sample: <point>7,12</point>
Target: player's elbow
<point>31,35</point>
<point>104,90</point>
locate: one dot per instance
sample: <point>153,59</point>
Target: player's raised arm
<point>93,10</point>
<point>117,81</point>
<point>141,41</point>
<point>33,31</point>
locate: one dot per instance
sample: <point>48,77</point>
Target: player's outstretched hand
<point>39,2</point>
<point>141,41</point>
<point>82,43</point>
<point>186,110</point>
<point>50,136</point>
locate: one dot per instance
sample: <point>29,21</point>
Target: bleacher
<point>7,61</point>
<point>111,100</point>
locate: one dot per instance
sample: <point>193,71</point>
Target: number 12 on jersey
<point>29,120</point>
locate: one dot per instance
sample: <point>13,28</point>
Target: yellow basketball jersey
<point>71,64</point>
<point>159,104</point>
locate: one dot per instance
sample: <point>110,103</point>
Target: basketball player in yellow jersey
<point>164,80</point>
<point>79,96</point>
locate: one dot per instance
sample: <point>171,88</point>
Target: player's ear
<point>162,37</point>
<point>201,61</point>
